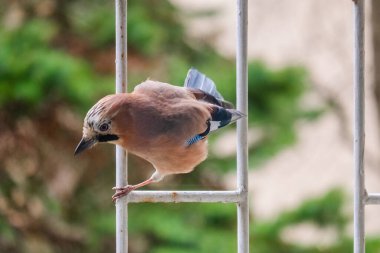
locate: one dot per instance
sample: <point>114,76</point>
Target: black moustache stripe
<point>107,137</point>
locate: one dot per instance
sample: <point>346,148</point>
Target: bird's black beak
<point>85,144</point>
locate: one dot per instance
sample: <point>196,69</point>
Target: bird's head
<point>99,125</point>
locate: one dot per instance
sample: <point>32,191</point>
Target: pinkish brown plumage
<point>161,123</point>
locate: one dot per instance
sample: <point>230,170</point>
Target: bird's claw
<point>121,191</point>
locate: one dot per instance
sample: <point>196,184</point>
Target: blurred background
<point>57,60</point>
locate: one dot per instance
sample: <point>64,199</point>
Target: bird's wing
<point>220,117</point>
<point>200,136</point>
<point>203,88</point>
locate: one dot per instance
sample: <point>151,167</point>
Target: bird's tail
<point>199,81</point>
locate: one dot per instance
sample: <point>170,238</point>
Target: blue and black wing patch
<point>194,139</point>
<point>220,117</point>
<point>200,136</point>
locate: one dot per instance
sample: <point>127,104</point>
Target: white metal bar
<point>373,199</point>
<point>242,126</point>
<point>121,156</point>
<point>359,188</point>
<point>184,196</point>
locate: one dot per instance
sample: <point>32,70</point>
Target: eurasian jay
<point>164,124</point>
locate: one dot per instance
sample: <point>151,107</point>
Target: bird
<point>164,124</point>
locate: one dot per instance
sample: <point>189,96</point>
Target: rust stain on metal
<point>174,197</point>
<point>149,200</point>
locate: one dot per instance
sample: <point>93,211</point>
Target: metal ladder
<point>238,196</point>
<point>361,197</point>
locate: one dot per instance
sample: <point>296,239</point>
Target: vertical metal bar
<point>121,156</point>
<point>359,188</point>
<point>242,126</point>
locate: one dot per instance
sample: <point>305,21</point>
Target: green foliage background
<point>55,65</point>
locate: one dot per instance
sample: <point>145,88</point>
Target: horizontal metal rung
<point>185,196</point>
<point>373,199</point>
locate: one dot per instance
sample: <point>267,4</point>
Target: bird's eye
<point>104,127</point>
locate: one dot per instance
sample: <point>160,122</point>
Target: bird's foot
<point>122,191</point>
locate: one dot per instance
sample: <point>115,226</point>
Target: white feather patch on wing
<point>214,125</point>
